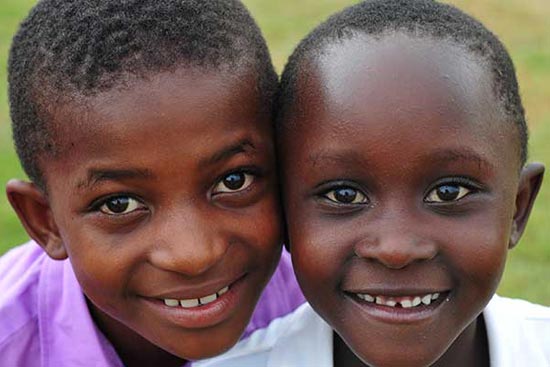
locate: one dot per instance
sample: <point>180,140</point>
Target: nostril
<point>396,252</point>
<point>188,259</point>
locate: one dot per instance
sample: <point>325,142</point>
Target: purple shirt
<point>44,319</point>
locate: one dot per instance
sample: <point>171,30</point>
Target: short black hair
<point>67,48</point>
<point>418,18</point>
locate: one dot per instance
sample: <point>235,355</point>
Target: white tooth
<point>208,299</point>
<point>406,303</point>
<point>427,299</point>
<point>379,301</point>
<point>171,302</point>
<point>222,291</point>
<point>188,303</point>
<point>368,298</point>
<point>435,296</point>
<point>416,301</point>
<point>361,296</point>
<point>391,303</point>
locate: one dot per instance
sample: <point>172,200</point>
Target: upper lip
<point>390,291</point>
<point>197,291</point>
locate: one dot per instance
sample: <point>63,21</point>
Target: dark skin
<point>164,190</point>
<point>403,184</point>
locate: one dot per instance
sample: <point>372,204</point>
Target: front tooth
<point>427,299</point>
<point>208,299</point>
<point>391,303</point>
<point>379,301</point>
<point>416,301</point>
<point>406,303</point>
<point>222,291</point>
<point>171,302</point>
<point>368,298</point>
<point>435,296</point>
<point>188,303</point>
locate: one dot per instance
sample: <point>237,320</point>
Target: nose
<point>396,249</point>
<point>189,244</point>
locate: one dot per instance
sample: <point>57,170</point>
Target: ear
<point>529,185</point>
<point>34,212</point>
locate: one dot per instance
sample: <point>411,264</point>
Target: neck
<point>132,348</point>
<point>342,354</point>
<point>471,348</point>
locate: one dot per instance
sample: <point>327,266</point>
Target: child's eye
<point>346,195</point>
<point>233,182</point>
<point>118,205</point>
<point>446,193</point>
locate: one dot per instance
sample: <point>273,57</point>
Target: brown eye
<point>447,193</point>
<point>346,195</point>
<point>233,182</point>
<point>119,205</point>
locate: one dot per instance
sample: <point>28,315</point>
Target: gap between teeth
<point>195,302</point>
<point>405,302</point>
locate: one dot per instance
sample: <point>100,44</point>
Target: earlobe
<point>34,212</point>
<point>529,185</point>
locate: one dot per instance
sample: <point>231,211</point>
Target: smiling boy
<point>403,145</point>
<point>145,128</point>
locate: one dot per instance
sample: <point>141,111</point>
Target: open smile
<point>195,302</point>
<point>400,301</point>
<point>202,311</point>
<point>404,308</point>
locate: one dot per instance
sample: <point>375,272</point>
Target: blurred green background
<point>523,26</point>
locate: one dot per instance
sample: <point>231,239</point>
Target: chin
<point>405,358</point>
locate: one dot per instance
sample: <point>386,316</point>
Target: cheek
<point>319,252</point>
<point>103,267</point>
<point>479,252</point>
<point>263,222</point>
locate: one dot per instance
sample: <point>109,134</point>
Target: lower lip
<point>400,315</point>
<point>202,316</point>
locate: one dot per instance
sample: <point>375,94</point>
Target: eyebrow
<point>440,156</point>
<point>96,176</point>
<point>460,155</point>
<point>339,157</point>
<point>225,153</point>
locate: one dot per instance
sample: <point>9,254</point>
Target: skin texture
<point>163,145</point>
<point>385,124</point>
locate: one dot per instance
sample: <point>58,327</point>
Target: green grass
<point>522,25</point>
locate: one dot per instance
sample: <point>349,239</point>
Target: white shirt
<point>518,334</point>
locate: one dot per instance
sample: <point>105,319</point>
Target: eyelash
<point>97,205</point>
<point>466,187</point>
<point>250,176</point>
<point>329,191</point>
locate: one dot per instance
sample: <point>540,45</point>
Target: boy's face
<point>400,181</point>
<point>165,194</point>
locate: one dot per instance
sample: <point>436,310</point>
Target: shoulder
<point>20,270</point>
<point>518,332</point>
<point>281,296</point>
<point>19,277</point>
<point>300,338</point>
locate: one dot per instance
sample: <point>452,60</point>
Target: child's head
<point>146,129</point>
<point>403,142</point>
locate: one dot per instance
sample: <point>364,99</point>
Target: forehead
<point>405,71</point>
<point>415,84</point>
<point>170,117</point>
<point>191,97</point>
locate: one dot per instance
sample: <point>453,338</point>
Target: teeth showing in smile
<point>195,302</point>
<point>402,301</point>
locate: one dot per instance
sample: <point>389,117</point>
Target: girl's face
<point>400,181</point>
<point>166,206</point>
